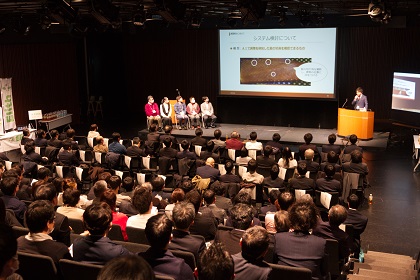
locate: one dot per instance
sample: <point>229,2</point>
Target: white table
<point>416,147</point>
<point>10,141</point>
<point>57,122</point>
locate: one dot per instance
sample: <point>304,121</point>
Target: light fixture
<point>139,16</point>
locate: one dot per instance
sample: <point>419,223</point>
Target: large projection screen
<point>406,98</point>
<point>296,63</point>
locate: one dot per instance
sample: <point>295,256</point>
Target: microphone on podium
<point>344,104</point>
<point>179,93</point>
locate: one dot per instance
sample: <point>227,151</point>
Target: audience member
<point>334,159</point>
<point>100,146</point>
<point>208,152</point>
<point>135,150</point>
<point>208,171</point>
<point>253,144</point>
<point>243,158</point>
<point>218,143</point>
<point>357,166</point>
<point>115,184</point>
<point>167,150</point>
<point>301,182</point>
<point>208,113</point>
<point>158,233</point>
<point>331,146</point>
<point>54,142</point>
<point>120,219</point>
<point>31,156</point>
<point>67,157</point>
<point>70,133</point>
<point>40,140</point>
<point>93,131</point>
<point>283,202</point>
<point>281,221</point>
<point>234,142</point>
<point>275,144</point>
<point>209,200</point>
<point>311,165</point>
<point>273,181</point>
<point>271,207</point>
<point>264,160</point>
<point>302,148</point>
<point>26,136</point>
<point>215,263</point>
<point>357,220</point>
<point>168,133</point>
<point>9,187</point>
<point>71,198</point>
<point>199,140</point>
<point>353,145</point>
<point>142,201</point>
<point>115,146</point>
<point>186,153</point>
<point>126,267</point>
<point>287,160</point>
<point>328,183</point>
<point>176,197</point>
<point>193,111</point>
<point>96,248</point>
<point>160,198</point>
<point>205,224</point>
<point>222,201</point>
<point>9,262</point>
<point>128,185</point>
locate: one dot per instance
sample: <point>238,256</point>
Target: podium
<point>355,122</point>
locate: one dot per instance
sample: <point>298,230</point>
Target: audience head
<point>185,145</point>
<point>153,127</point>
<point>116,136</point>
<point>217,133</point>
<point>276,137</point>
<point>252,165</point>
<point>128,183</point>
<point>9,185</point>
<point>308,138</point>
<point>187,186</point>
<point>136,141</point>
<point>43,173</point>
<point>167,129</point>
<point>210,161</point>
<point>353,139</point>
<point>219,189</point>
<point>54,133</point>
<point>254,243</point>
<point>332,138</point>
<point>215,263</point>
<point>229,166</point>
<point>26,132</point>
<point>97,218</point>
<point>167,141</point>
<point>281,221</point>
<point>309,154</point>
<point>303,216</point>
<point>130,267</point>
<point>268,150</point>
<point>158,184</point>
<point>177,195</point>
<point>99,140</point>
<point>29,147</point>
<point>70,133</point>
<point>253,136</point>
<point>110,198</point>
<point>67,145</point>
<point>58,184</point>
<point>287,153</point>
<point>356,156</point>
<point>9,262</point>
<point>337,215</point>
<point>183,215</point>
<point>40,133</point>
<point>332,157</point>
<point>93,127</point>
<point>285,200</point>
<point>243,197</point>
<point>329,170</point>
<point>99,188</point>
<point>242,216</point>
<point>71,197</point>
<point>198,132</point>
<point>244,152</point>
<point>142,199</point>
<point>46,192</point>
<point>194,197</point>
<point>353,201</point>
<point>158,231</point>
<point>114,182</point>
<point>104,176</point>
<point>273,195</point>
<point>40,216</point>
<point>274,171</point>
<point>209,196</point>
<point>302,169</point>
<point>234,135</point>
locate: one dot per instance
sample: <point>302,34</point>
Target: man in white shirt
<point>253,144</point>
<point>208,113</point>
<point>142,201</point>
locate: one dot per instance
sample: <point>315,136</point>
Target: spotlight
<point>375,9</point>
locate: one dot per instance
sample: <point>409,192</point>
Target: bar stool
<point>99,106</point>
<point>91,105</point>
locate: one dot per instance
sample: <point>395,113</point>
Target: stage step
<point>385,275</point>
<point>392,269</point>
<point>389,255</point>
<point>362,277</point>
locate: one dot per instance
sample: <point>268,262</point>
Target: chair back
<point>115,233</point>
<point>136,235</point>
<point>350,182</point>
<point>34,266</point>
<point>265,171</point>
<point>76,225</point>
<point>19,231</point>
<point>73,270</point>
<point>222,227</point>
<point>288,272</point>
<point>187,256</point>
<point>321,199</point>
<point>133,247</point>
<point>333,259</point>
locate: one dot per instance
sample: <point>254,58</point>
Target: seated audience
<point>331,146</point>
<point>271,207</point>
<point>114,184</point>
<point>208,171</point>
<point>26,136</point>
<point>264,160</point>
<point>311,165</point>
<point>40,140</point>
<point>159,233</point>
<point>229,177</point>
<point>127,185</point>
<point>9,262</point>
<point>100,146</point>
<point>97,248</point>
<point>9,187</point>
<point>215,263</point>
<point>208,152</point>
<point>250,264</point>
<point>71,198</point>
<point>253,144</point>
<point>167,150</point>
<point>135,150</point>
<point>301,182</point>
<point>243,158</point>
<point>40,220</point>
<point>273,181</point>
<point>275,144</point>
<point>115,146</point>
<point>281,221</point>
<point>222,201</point>
<point>54,142</point>
<point>357,166</point>
<point>287,160</point>
<point>176,197</point>
<point>186,153</point>
<point>302,148</point>
<point>183,216</point>
<point>357,220</point>
<point>328,183</point>
<point>142,201</point>
<point>209,200</point>
<point>67,157</point>
<point>353,145</point>
<point>251,176</point>
<point>70,133</point>
<point>31,156</point>
<point>93,131</point>
<point>199,140</point>
<point>233,142</point>
<point>205,224</point>
<point>160,198</point>
<point>334,159</point>
<point>283,203</point>
<point>126,267</point>
<point>218,143</point>
<point>168,133</point>
<point>118,218</point>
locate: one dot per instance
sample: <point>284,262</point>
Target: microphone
<point>179,93</point>
<point>344,104</point>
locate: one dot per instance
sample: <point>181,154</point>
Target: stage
<point>289,135</point>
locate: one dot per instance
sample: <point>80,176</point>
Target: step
<point>389,255</point>
<point>409,266</point>
<point>399,270</point>
<point>362,277</point>
<point>369,258</point>
<point>385,275</point>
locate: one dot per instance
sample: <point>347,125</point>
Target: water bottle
<point>361,256</point>
<point>370,198</point>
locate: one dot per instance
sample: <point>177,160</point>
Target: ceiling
<point>102,15</point>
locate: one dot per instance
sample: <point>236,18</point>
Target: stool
<point>91,105</point>
<point>99,106</point>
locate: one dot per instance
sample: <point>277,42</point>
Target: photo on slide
<point>404,89</point>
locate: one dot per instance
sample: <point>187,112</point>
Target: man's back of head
<point>99,188</point>
<point>308,138</point>
<point>158,231</point>
<point>9,185</point>
<point>142,199</point>
<point>194,197</point>
<point>353,139</point>
<point>114,182</point>
<point>209,196</point>
<point>285,200</point>
<point>252,165</point>
<point>356,156</point>
<point>332,138</point>
<point>217,134</point>
<point>253,136</point>
<point>302,169</point>
<point>38,215</point>
<point>309,154</point>
<point>158,183</point>
<point>268,150</point>
<point>167,129</point>
<point>97,218</point>
<point>116,136</point>
<point>353,201</point>
<point>255,243</point>
<point>46,192</point>
<point>337,215</point>
<point>183,215</point>
<point>242,216</point>
<point>329,170</point>
<point>215,263</point>
<point>185,145</point>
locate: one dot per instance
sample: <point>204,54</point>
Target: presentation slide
<point>405,92</point>
<point>278,62</point>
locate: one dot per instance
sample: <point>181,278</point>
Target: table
<point>416,147</point>
<point>57,122</point>
<point>10,141</point>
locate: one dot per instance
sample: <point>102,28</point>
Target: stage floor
<point>289,135</point>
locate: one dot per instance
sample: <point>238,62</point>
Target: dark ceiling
<point>103,15</point>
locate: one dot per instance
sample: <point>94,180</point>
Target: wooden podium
<point>355,122</point>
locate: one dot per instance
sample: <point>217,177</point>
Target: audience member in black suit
<point>9,186</point>
<point>299,248</point>
<point>284,201</point>
<point>215,263</point>
<point>198,140</point>
<point>275,144</point>
<point>160,198</point>
<point>271,207</point>
<point>186,153</point>
<point>244,197</point>
<point>332,158</point>
<point>209,200</point>
<point>357,166</point>
<point>67,157</point>
<point>208,171</point>
<point>167,150</point>
<point>54,142</point>
<point>302,148</point>
<point>183,216</point>
<point>229,177</point>
<point>221,200</point>
<point>264,160</point>
<point>218,143</point>
<point>168,130</point>
<point>158,233</point>
<point>26,136</point>
<point>31,156</point>
<point>96,248</point>
<point>135,150</point>
<point>127,186</point>
<point>70,133</point>
<point>153,135</point>
<point>311,165</point>
<point>331,146</point>
<point>250,263</point>
<point>357,220</point>
<point>61,232</point>
<point>353,146</point>
<point>301,182</point>
<point>40,140</point>
<point>40,220</point>
<point>126,267</point>
<point>9,262</point>
<point>328,183</point>
<point>208,152</point>
<point>97,190</point>
<point>330,230</point>
<point>205,224</point>
<point>241,216</point>
<point>273,181</point>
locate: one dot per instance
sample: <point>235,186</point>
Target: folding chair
<point>288,272</point>
<point>187,256</point>
<point>34,266</point>
<point>76,225</point>
<point>136,235</point>
<point>74,270</point>
<point>115,233</point>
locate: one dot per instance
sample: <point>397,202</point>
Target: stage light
<point>375,9</point>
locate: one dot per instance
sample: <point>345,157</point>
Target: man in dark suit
<point>208,152</point>
<point>222,201</point>
<point>40,140</point>
<point>70,133</point>
<point>96,248</point>
<point>271,207</point>
<point>215,263</point>
<point>183,216</point>
<point>31,156</point>
<point>208,171</point>
<point>302,148</point>
<point>67,157</point>
<point>167,150</point>
<point>349,149</point>
<point>264,160</point>
<point>158,233</point>
<point>9,187</point>
<point>356,219</point>
<point>360,101</point>
<point>210,199</point>
<point>301,182</point>
<point>356,165</point>
<point>135,150</point>
<point>311,165</point>
<point>205,224</point>
<point>249,263</point>
<point>61,232</point>
<point>331,146</point>
<point>168,129</point>
<point>26,136</point>
<point>299,248</point>
<point>241,216</point>
<point>198,139</point>
<point>330,230</point>
<point>54,142</point>
<point>328,183</point>
<point>186,153</point>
